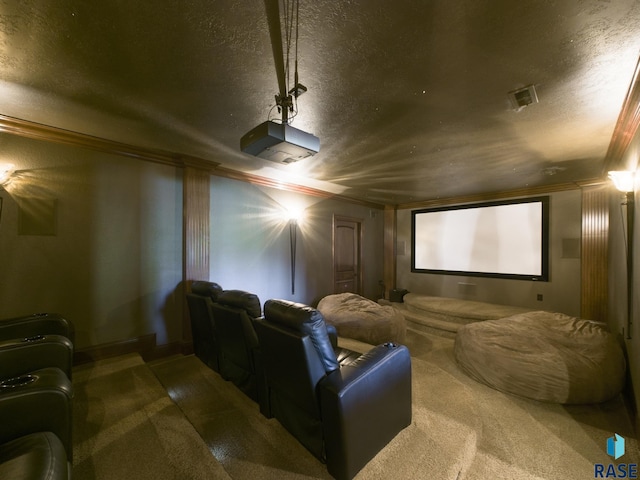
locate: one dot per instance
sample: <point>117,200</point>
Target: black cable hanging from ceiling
<point>286,99</point>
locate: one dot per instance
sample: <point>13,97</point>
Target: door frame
<point>360,270</point>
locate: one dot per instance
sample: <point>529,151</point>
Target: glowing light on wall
<point>6,170</point>
<point>294,214</point>
<point>624,180</point>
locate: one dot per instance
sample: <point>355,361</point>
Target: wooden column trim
<point>196,184</point>
<point>389,247</point>
<point>594,253</point>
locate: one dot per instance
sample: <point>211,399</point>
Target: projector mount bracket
<point>286,98</point>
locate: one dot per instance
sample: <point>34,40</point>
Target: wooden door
<point>347,250</point>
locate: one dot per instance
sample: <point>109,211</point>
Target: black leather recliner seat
<point>23,355</point>
<point>35,341</point>
<point>233,316</point>
<point>36,357</point>
<point>36,420</point>
<point>205,344</point>
<point>36,324</point>
<point>37,456</point>
<point>344,407</point>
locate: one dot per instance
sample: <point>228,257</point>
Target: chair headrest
<point>206,289</point>
<point>290,314</point>
<point>243,300</point>
<point>307,321</point>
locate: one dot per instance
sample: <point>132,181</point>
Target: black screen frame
<point>544,231</point>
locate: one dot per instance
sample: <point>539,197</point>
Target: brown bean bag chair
<point>363,319</point>
<point>544,356</point>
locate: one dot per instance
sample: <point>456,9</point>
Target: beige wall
<point>113,262</point>
<point>250,246</point>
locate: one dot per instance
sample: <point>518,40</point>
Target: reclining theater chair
<point>36,324</point>
<point>344,407</point>
<point>205,343</point>
<point>233,315</point>
<point>33,342</point>
<point>36,355</point>
<point>36,419</point>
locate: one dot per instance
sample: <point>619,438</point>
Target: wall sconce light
<point>293,215</point>
<point>624,181</point>
<point>293,231</point>
<point>6,170</point>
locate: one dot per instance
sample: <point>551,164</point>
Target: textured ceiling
<point>409,98</point>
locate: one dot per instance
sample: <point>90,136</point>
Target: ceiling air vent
<point>523,97</point>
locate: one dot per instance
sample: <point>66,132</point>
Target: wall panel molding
<point>196,235</point>
<point>594,253</point>
<point>389,248</point>
<point>196,224</point>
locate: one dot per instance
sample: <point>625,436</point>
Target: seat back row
<point>36,354</point>
<point>343,406</point>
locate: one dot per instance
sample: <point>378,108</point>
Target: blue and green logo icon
<point>615,446</point>
<point>615,449</point>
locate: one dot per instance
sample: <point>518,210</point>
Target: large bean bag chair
<point>458,311</point>
<point>363,319</point>
<point>544,356</point>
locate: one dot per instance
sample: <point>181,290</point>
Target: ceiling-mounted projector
<point>279,142</point>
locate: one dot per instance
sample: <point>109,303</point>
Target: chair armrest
<point>35,456</point>
<point>21,356</point>
<point>36,324</point>
<point>333,335</point>
<point>38,402</point>
<point>364,405</point>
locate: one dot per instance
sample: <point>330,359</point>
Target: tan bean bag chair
<point>363,319</point>
<point>544,356</point>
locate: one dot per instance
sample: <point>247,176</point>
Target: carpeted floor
<point>127,427</point>
<point>460,430</point>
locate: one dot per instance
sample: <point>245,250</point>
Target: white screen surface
<point>493,239</point>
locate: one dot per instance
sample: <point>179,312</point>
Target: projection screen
<point>505,239</point>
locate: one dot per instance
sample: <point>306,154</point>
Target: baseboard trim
<point>145,345</point>
<point>166,350</point>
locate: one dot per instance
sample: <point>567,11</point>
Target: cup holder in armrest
<point>35,338</point>
<point>18,381</point>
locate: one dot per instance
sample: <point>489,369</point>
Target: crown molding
<point>47,133</point>
<point>290,187</point>
<point>38,131</point>
<point>483,197</point>
<point>627,125</point>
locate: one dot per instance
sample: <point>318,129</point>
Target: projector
<point>279,142</point>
